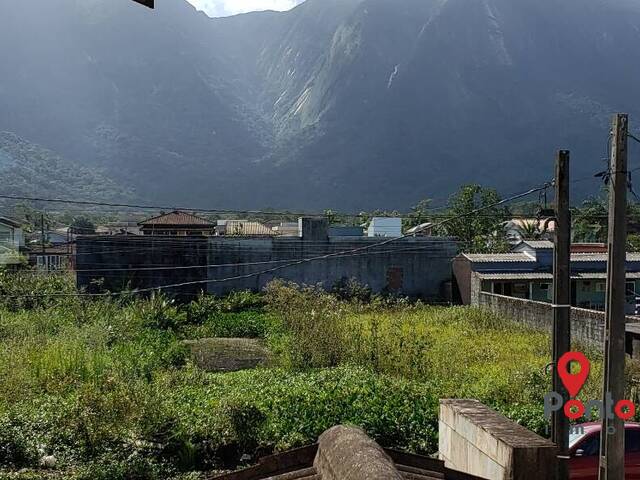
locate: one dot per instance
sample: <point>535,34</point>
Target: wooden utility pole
<point>42,237</point>
<point>561,306</point>
<point>612,434</point>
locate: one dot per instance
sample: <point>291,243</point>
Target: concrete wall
<point>417,267</point>
<point>477,440</point>
<point>131,261</point>
<point>587,326</point>
<point>462,280</point>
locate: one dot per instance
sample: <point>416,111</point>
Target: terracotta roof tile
<point>177,218</point>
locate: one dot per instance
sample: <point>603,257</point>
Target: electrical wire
<point>344,253</point>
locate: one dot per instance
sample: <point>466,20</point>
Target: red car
<point>585,447</point>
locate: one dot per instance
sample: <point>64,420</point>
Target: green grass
<point>109,388</point>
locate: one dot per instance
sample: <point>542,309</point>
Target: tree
<point>419,214</point>
<point>481,232</point>
<point>334,218</point>
<point>530,230</point>
<point>82,226</point>
<point>633,243</point>
<point>590,221</point>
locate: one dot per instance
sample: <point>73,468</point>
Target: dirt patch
<point>228,354</point>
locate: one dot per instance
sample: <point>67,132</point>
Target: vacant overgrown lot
<point>108,388</point>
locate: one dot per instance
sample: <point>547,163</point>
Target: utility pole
<point>612,433</point>
<point>561,306</point>
<point>42,232</point>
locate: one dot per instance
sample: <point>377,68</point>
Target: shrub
<point>314,320</point>
<point>206,307</point>
<point>352,291</point>
<point>239,301</point>
<point>29,290</point>
<point>160,312</point>
<point>16,449</point>
<point>248,324</point>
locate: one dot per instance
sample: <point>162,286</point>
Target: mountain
<point>27,169</point>
<point>344,104</point>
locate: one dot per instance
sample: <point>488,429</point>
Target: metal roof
<point>516,276</point>
<point>523,257</point>
<point>538,244</point>
<point>177,218</point>
<point>601,257</point>
<point>243,228</point>
<point>10,222</point>
<point>498,257</point>
<point>549,276</point>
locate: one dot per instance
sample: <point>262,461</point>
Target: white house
<point>11,241</point>
<point>385,227</point>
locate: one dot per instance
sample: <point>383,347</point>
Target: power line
<point>151,207</point>
<point>344,253</point>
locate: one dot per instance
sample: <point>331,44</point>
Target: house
<point>292,229</point>
<point>11,241</point>
<point>287,229</point>
<point>385,227</point>
<point>243,228</point>
<point>119,228</point>
<point>11,234</point>
<point>527,272</point>
<point>53,258</point>
<point>177,223</point>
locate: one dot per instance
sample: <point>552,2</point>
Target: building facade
<point>11,241</point>
<point>527,273</point>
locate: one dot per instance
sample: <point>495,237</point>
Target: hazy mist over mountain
<point>347,104</point>
<point>223,8</point>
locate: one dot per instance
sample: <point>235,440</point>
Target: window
<point>545,286</point>
<point>630,288</point>
<point>520,288</point>
<point>601,286</point>
<point>586,286</point>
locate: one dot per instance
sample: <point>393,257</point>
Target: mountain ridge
<point>356,104</point>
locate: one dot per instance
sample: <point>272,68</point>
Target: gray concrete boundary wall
<point>587,326</point>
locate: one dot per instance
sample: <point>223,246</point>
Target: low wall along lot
<point>587,326</point>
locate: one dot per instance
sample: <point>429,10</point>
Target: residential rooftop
<point>176,217</point>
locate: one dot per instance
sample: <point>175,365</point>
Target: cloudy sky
<point>220,8</point>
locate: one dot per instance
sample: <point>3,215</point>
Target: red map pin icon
<point>573,382</point>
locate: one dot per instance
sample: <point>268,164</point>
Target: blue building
<point>527,272</point>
